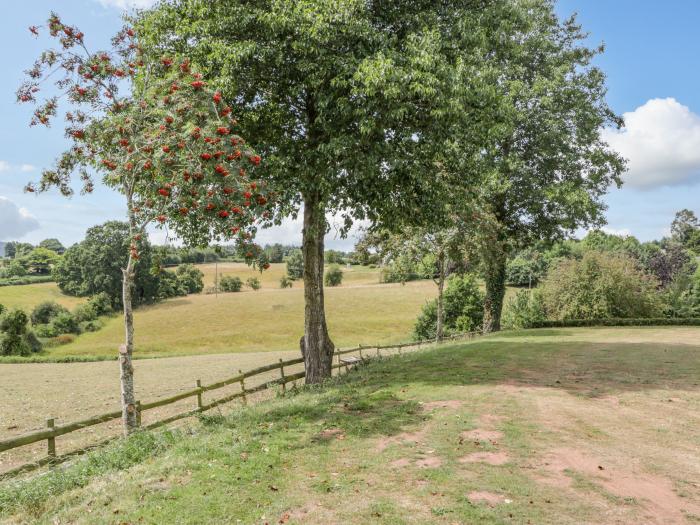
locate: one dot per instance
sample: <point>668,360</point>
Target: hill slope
<point>549,426</point>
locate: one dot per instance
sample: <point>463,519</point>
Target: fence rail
<point>52,431</point>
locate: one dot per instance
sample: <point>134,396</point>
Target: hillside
<point>547,426</point>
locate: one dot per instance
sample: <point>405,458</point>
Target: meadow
<point>270,319</point>
<point>561,426</point>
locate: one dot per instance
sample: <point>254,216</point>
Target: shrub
<point>523,310</point>
<point>464,309</point>
<point>526,269</point>
<point>17,339</point>
<point>600,285</point>
<point>169,286</point>
<point>91,326</point>
<point>230,283</point>
<point>65,323</point>
<point>295,264</point>
<point>45,312</point>
<point>101,303</point>
<point>46,330</point>
<point>190,278</point>
<point>333,277</point>
<point>253,283</point>
<point>84,312</point>
<point>646,321</point>
<point>286,282</point>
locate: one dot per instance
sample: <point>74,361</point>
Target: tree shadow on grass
<point>590,369</point>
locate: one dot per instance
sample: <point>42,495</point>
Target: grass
<point>27,296</point>
<point>588,426</point>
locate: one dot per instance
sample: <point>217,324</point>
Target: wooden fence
<point>51,432</point>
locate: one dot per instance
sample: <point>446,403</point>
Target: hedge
<point>32,279</point>
<point>651,321</point>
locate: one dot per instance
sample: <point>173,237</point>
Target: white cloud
<point>4,166</point>
<point>661,140</point>
<point>15,222</point>
<point>621,232</point>
<point>27,168</point>
<point>128,4</point>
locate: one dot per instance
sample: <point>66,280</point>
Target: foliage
<point>527,268</point>
<point>190,277</point>
<point>16,338</point>
<point>52,244</point>
<point>39,261</point>
<point>45,312</point>
<point>94,265</point>
<point>230,283</point>
<point>334,257</point>
<point>611,321</point>
<point>682,295</point>
<point>65,323</point>
<point>169,285</point>
<point>101,303</point>
<point>333,276</point>
<point>14,269</point>
<point>668,261</point>
<point>253,283</point>
<point>464,308</point>
<point>600,285</point>
<point>295,265</point>
<point>524,310</point>
<point>684,227</point>
<point>286,282</point>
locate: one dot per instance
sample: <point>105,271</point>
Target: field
<point>270,319</point>
<point>565,426</point>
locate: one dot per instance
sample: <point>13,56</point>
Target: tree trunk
<point>495,277</point>
<point>316,346</point>
<point>126,351</point>
<point>440,306</point>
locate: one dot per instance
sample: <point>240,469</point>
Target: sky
<point>652,63</point>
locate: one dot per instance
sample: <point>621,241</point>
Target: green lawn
<point>27,296</point>
<point>566,426</point>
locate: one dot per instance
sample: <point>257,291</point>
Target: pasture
<point>564,426</point>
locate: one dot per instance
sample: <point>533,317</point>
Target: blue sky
<point>652,61</point>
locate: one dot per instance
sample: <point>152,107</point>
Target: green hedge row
<point>652,321</point>
<point>29,279</point>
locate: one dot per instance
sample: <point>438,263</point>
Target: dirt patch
<point>478,434</point>
<point>655,494</point>
<point>400,463</point>
<point>412,438</point>
<point>430,462</point>
<point>448,403</point>
<point>489,420</point>
<point>489,498</point>
<point>491,458</point>
<point>329,434</point>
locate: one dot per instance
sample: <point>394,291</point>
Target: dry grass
<point>28,296</point>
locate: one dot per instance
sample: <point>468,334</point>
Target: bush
<point>45,312</point>
<point>646,321</point>
<point>17,339</point>
<point>295,265</point>
<point>464,309</point>
<point>169,286</point>
<point>253,283</point>
<point>230,283</point>
<point>523,310</point>
<point>526,269</point>
<point>600,285</point>
<point>286,282</point>
<point>91,326</point>
<point>62,339</point>
<point>101,303</point>
<point>333,277</point>
<point>29,279</point>
<point>190,278</point>
<point>46,330</point>
<point>65,323</point>
<point>84,312</point>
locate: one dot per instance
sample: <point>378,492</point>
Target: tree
<point>95,265</point>
<point>15,250</point>
<point>40,261</point>
<point>684,226</point>
<point>52,244</point>
<point>190,277</point>
<point>155,132</point>
<point>275,253</point>
<point>354,104</point>
<point>334,276</point>
<point>547,167</point>
<point>295,264</point>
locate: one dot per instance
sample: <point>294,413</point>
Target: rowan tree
<point>151,128</point>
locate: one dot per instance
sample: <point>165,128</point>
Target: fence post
<point>379,354</point>
<point>199,394</point>
<point>245,400</point>
<point>284,382</point>
<point>52,440</point>
<point>361,354</point>
<point>138,413</point>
